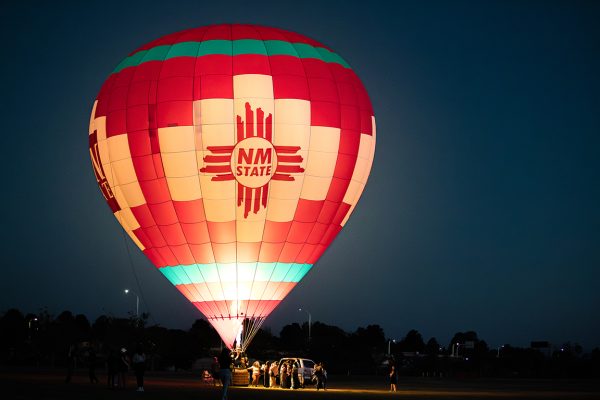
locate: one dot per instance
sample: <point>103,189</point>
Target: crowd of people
<point>271,374</point>
<point>118,365</point>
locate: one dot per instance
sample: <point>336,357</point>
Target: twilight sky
<point>482,211</point>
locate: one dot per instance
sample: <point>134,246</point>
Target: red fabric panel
<point>347,94</point>
<point>103,97</point>
<point>247,252</point>
<point>325,114</point>
<point>141,236</point>
<point>155,258</point>
<point>216,87</point>
<point>148,71</point>
<point>328,212</point>
<point>221,232</point>
<point>366,123</point>
<point>331,233</point>
<point>138,93</point>
<point>167,255</point>
<point>290,87</point>
<point>118,98</point>
<point>317,233</point>
<point>155,191</point>
<point>341,213</point>
<point>163,213</point>
<point>216,64</point>
<point>144,169</point>
<point>183,254</point>
<point>175,88</point>
<point>350,117</point>
<point>172,234</point>
<point>155,236</point>
<point>290,252</point>
<point>308,210</point>
<point>344,166</point>
<point>244,32</point>
<point>192,35</point>
<point>203,253</point>
<point>305,253</point>
<point>137,118</point>
<point>286,65</point>
<point>178,66</point>
<point>251,64</point>
<point>349,142</point>
<point>224,252</point>
<point>323,89</point>
<point>116,123</point>
<point>175,113</point>
<point>139,143</point>
<point>143,215</point>
<point>216,32</point>
<point>319,250</point>
<point>255,308</point>
<point>190,211</point>
<point>196,233</point>
<point>338,189</point>
<point>314,68</point>
<point>276,231</point>
<point>269,252</point>
<point>124,77</point>
<point>299,231</point>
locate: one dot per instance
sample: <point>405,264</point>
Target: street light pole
<point>309,322</point>
<point>137,302</point>
<point>390,345</point>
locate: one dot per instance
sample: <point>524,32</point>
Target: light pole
<point>309,322</point>
<point>390,345</point>
<point>499,348</point>
<point>137,302</point>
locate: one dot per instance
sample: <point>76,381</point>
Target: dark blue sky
<point>482,210</point>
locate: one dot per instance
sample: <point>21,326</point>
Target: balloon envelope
<point>232,155</point>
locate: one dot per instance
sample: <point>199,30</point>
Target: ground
<point>49,385</point>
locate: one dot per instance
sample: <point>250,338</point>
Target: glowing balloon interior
<point>232,155</point>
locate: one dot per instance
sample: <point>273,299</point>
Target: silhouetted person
<point>112,367</point>
<point>139,366</point>
<point>393,378</point>
<point>225,371</point>
<point>92,360</point>
<point>70,362</point>
<point>318,376</point>
<point>295,376</point>
<point>123,368</point>
<point>214,370</point>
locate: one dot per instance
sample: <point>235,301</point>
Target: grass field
<point>50,385</point>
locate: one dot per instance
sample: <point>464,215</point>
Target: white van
<point>305,368</point>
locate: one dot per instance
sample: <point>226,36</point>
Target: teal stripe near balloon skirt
<point>205,273</point>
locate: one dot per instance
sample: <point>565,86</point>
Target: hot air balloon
<point>232,155</point>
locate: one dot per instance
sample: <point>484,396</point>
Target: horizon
<point>481,211</point>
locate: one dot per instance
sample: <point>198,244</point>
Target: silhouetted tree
<point>412,342</point>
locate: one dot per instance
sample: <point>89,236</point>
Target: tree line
<point>42,340</point>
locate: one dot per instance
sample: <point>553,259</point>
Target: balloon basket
<point>239,377</point>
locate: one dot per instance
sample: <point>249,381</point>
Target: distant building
<point>543,347</point>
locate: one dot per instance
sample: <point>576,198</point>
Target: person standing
<point>123,368</point>
<point>214,370</point>
<point>255,373</point>
<point>393,378</point>
<point>225,371</point>
<point>112,366</point>
<point>92,365</point>
<point>295,376</point>
<point>70,362</point>
<point>139,366</point>
<point>318,373</point>
<point>273,374</point>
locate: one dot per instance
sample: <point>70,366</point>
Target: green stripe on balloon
<point>202,273</point>
<point>231,48</point>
